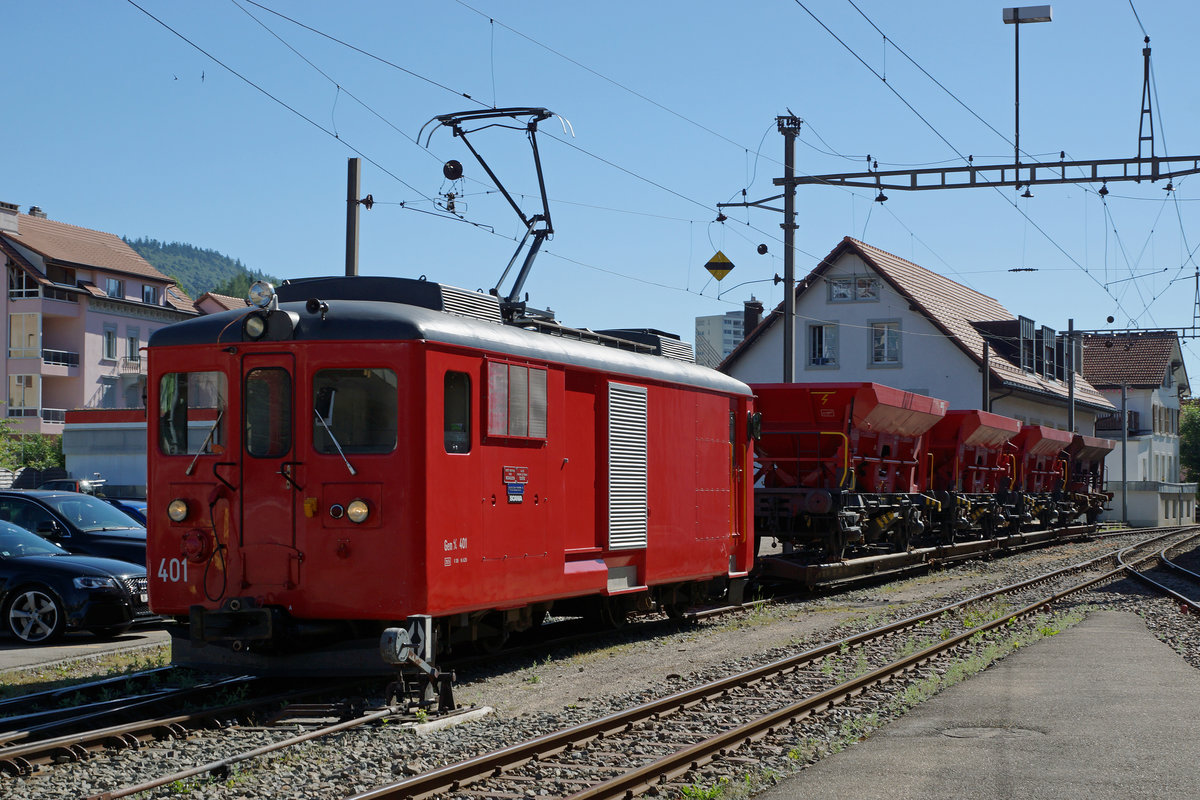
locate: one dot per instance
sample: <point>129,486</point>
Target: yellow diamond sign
<point>719,265</point>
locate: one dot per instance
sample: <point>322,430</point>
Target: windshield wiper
<point>204,444</point>
<point>333,439</point>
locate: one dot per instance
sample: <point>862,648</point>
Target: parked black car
<point>46,591</point>
<point>78,522</point>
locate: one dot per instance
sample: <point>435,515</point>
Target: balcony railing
<point>62,358</point>
<point>132,365</point>
<point>54,415</point>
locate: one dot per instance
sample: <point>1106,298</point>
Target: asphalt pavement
<point>1102,710</point>
<point>14,655</point>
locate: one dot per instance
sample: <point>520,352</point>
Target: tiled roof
<point>1132,358</point>
<point>178,299</point>
<point>69,243</point>
<point>950,306</point>
<point>224,300</point>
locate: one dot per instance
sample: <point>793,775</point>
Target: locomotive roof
<point>376,309</point>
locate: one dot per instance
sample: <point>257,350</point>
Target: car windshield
<point>90,514</point>
<point>16,542</point>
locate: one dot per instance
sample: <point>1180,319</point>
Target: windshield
<point>16,542</point>
<point>89,514</point>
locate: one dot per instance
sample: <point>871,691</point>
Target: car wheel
<point>35,616</point>
<point>111,632</point>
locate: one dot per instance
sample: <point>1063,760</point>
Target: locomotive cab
<point>356,454</point>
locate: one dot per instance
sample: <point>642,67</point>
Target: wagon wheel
<point>492,636</point>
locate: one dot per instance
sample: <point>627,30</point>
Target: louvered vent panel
<point>471,304</point>
<point>627,516</point>
<point>537,403</point>
<point>673,348</point>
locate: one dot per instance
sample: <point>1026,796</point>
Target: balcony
<point>61,358</point>
<point>132,365</point>
<point>58,415</point>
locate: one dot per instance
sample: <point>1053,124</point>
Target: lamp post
<point>1017,17</point>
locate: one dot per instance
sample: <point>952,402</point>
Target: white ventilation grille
<point>475,305</point>
<point>680,351</point>
<point>627,515</point>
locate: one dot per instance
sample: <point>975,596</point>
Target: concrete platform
<point>1102,710</point>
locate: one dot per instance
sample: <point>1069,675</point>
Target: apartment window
<point>132,341</point>
<point>150,294</point>
<point>24,336</point>
<point>516,401</point>
<point>885,343</point>
<point>20,284</point>
<point>108,391</point>
<point>114,287</point>
<point>22,395</point>
<point>822,346</point>
<point>110,343</point>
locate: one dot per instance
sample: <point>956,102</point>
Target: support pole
<point>1070,359</point>
<point>354,174</point>
<point>1124,455</point>
<point>986,405</point>
<point>789,126</point>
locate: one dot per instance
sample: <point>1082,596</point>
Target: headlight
<point>357,511</point>
<point>94,582</point>
<point>177,510</point>
<point>254,326</point>
<point>261,293</point>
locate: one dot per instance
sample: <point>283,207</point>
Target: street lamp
<point>1017,17</point>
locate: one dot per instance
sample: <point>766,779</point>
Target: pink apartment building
<point>80,305</point>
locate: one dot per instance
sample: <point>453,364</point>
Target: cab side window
<point>457,412</point>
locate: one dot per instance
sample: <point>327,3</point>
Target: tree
<point>1189,440</point>
<point>28,449</point>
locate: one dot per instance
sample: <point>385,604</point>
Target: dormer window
<point>150,294</point>
<point>114,287</point>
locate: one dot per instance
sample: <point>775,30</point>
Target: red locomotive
<point>361,452</point>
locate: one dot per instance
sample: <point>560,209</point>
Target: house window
<point>22,395</point>
<point>24,336</point>
<point>516,401</point>
<point>114,287</point>
<point>885,343</point>
<point>110,343</point>
<point>132,341</point>
<point>859,289</point>
<point>61,275</point>
<point>150,294</point>
<point>822,346</point>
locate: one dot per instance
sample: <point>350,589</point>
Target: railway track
<point>669,738</point>
<point>689,724</point>
<point>1171,578</point>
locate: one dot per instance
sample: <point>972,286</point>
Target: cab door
<point>269,471</point>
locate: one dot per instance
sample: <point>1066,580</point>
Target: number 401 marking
<point>173,570</point>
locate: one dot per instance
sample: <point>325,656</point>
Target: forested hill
<point>198,270</point>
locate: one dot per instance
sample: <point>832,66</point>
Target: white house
<point>866,315</point>
<point>1145,477</point>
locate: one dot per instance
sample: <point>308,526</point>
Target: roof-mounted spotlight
<point>262,295</point>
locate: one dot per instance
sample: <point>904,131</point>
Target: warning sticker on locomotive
<point>516,474</point>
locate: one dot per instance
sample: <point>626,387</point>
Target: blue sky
<point>116,123</point>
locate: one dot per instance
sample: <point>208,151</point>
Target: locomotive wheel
<point>492,635</point>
